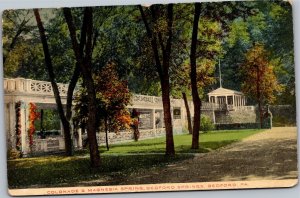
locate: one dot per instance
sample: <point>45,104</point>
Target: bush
<point>13,154</point>
<point>206,124</point>
<point>235,126</point>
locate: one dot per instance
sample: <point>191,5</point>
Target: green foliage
<point>271,25</point>
<point>229,28</point>
<point>51,120</point>
<point>206,124</point>
<point>282,121</point>
<point>238,32</point>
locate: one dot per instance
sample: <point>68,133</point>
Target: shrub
<point>13,154</point>
<point>206,124</point>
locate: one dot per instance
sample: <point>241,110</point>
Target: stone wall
<point>127,136</point>
<point>236,116</point>
<point>56,144</point>
<point>283,115</point>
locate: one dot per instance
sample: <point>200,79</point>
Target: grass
<point>54,171</point>
<point>208,141</point>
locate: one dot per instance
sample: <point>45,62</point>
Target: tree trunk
<point>259,96</point>
<point>49,67</point>
<point>85,65</point>
<point>170,151</point>
<point>193,76</point>
<point>106,134</point>
<point>188,113</point>
<point>162,68</point>
<point>42,120</point>
<point>166,84</point>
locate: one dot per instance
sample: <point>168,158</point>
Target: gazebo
<point>228,97</point>
<point>231,99</point>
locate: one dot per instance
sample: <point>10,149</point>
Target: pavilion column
<point>79,138</point>
<point>214,117</point>
<point>62,129</point>
<point>226,100</point>
<point>233,100</point>
<point>11,125</point>
<point>161,113</point>
<point>152,118</point>
<point>24,111</point>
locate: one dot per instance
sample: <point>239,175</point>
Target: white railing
<point>146,99</point>
<point>35,87</point>
<point>22,85</point>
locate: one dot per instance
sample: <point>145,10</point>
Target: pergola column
<point>79,138</point>
<point>12,124</point>
<point>153,118</point>
<point>24,116</point>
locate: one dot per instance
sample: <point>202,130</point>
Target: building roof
<point>222,91</point>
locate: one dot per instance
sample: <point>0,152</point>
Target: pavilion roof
<point>222,91</point>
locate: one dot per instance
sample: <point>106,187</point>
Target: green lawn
<point>208,141</point>
<point>57,171</point>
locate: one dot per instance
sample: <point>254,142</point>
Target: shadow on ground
<point>255,160</point>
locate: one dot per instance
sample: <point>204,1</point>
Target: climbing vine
<point>18,125</point>
<point>33,116</point>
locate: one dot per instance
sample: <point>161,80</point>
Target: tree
<point>272,26</point>
<point>65,118</point>
<point>193,77</point>
<point>84,61</point>
<point>112,96</point>
<point>15,26</point>
<point>260,82</point>
<point>205,45</point>
<point>160,35</point>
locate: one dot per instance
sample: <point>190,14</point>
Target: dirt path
<point>268,155</point>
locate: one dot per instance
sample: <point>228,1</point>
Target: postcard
<point>145,98</point>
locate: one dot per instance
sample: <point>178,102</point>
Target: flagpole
<point>220,75</point>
